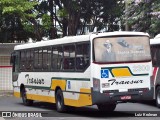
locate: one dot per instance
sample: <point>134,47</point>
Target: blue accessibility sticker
<point>104,73</point>
<point>69,84</point>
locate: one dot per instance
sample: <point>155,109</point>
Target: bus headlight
<point>96,84</point>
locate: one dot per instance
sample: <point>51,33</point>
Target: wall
<point>5,67</point>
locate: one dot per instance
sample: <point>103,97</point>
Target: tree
<point>141,17</point>
<point>39,18</point>
<point>33,16</point>
<point>155,18</point>
<point>112,12</point>
<point>76,15</point>
<point>14,14</point>
<point>69,15</point>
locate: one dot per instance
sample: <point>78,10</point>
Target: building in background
<point>5,68</point>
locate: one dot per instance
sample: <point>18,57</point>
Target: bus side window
<point>54,58</point>
<point>72,63</point>
<point>57,56</point>
<point>37,58</point>
<point>82,56</point>
<point>40,59</point>
<point>80,63</point>
<point>22,60</point>
<point>65,64</point>
<point>46,58</point>
<point>69,57</point>
<point>79,56</point>
<point>49,58</point>
<point>29,60</point>
<point>86,48</point>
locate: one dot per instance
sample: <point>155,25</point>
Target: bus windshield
<point>121,49</point>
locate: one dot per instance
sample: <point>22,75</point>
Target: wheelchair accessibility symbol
<point>104,73</point>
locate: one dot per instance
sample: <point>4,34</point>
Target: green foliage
<point>27,26</point>
<point>141,16</point>
<point>20,12</point>
<point>46,22</point>
<point>62,13</point>
<point>17,6</point>
<point>31,16</point>
<point>155,26</point>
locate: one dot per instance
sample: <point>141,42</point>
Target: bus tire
<point>25,101</point>
<point>106,107</point>
<point>158,97</point>
<point>60,101</point>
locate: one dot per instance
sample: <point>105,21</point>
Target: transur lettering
<point>114,82</point>
<point>34,80</point>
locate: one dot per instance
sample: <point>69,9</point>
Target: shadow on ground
<point>78,112</point>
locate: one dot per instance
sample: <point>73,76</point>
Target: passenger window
<point>22,60</point>
<point>57,56</point>
<point>29,60</point>
<point>46,58</point>
<point>82,56</point>
<point>69,57</point>
<point>37,58</point>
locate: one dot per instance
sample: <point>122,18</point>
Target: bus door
<point>15,66</point>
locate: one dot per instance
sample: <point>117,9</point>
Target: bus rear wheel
<point>106,107</point>
<point>60,101</point>
<point>25,101</point>
<point>158,97</point>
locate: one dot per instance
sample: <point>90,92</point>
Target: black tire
<point>25,101</point>
<point>158,97</point>
<point>106,107</point>
<point>60,101</point>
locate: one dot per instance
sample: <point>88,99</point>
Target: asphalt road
<point>48,111</point>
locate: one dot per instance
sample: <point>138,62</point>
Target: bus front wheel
<point>158,97</point>
<point>24,98</point>
<point>106,107</point>
<point>60,101</point>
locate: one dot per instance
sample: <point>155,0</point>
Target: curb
<point>6,93</point>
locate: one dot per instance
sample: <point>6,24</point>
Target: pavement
<point>1,118</point>
<point>6,93</point>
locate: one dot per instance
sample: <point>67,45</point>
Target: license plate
<point>125,97</point>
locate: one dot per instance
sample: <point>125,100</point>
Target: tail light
<point>96,84</point>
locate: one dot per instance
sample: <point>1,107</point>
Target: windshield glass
<point>121,49</point>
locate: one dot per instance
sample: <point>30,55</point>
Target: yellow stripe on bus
<point>121,72</point>
<point>17,94</point>
<point>37,97</point>
<point>41,98</point>
<point>84,99</point>
<point>60,83</point>
<point>84,90</point>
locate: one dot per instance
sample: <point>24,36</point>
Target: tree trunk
<point>52,29</point>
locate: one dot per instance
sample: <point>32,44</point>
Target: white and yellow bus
<point>100,69</point>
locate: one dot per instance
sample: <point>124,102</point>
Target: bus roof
<point>155,41</point>
<point>72,39</point>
